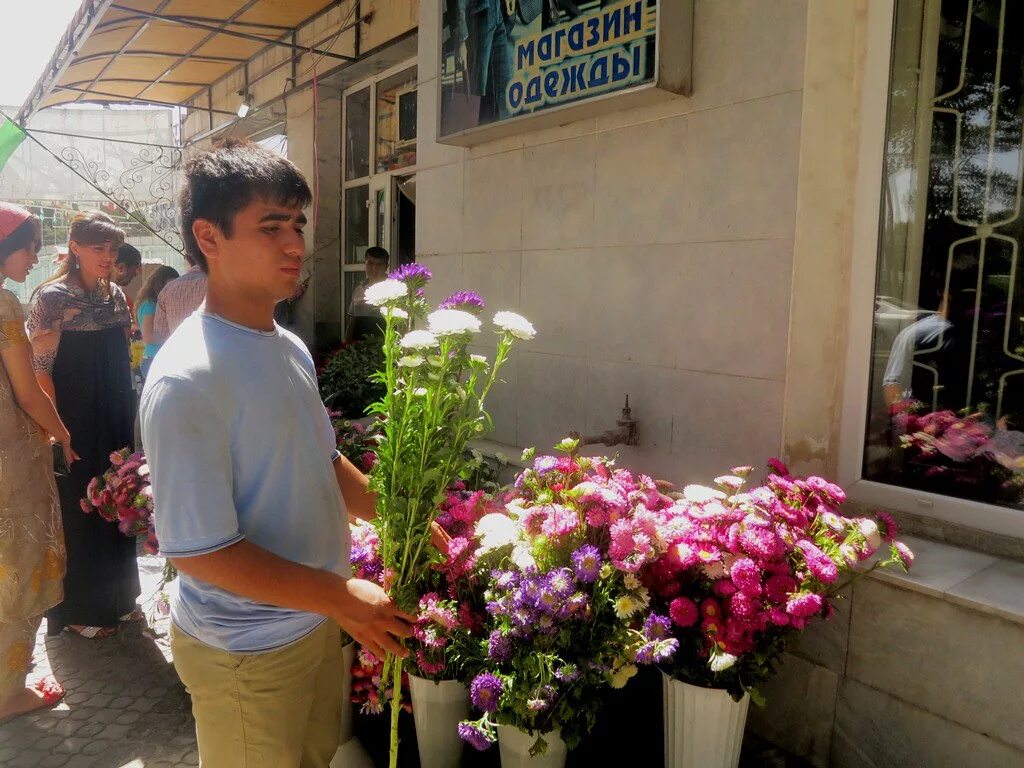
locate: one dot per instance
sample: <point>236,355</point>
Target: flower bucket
<point>437,709</point>
<point>351,753</point>
<point>703,726</point>
<point>514,745</point>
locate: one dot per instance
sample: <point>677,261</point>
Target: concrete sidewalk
<point>124,707</point>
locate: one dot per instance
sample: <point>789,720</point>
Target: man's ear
<point>206,235</point>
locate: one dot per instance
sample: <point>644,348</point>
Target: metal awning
<point>164,52</point>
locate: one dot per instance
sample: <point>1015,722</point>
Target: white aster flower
<point>419,340</point>
<point>869,530</point>
<point>479,359</point>
<point>720,662</point>
<point>385,292</point>
<point>452,322</point>
<point>631,582</point>
<point>699,494</point>
<point>420,392</point>
<point>626,606</point>
<point>622,674</point>
<point>395,313</point>
<point>515,324</point>
<point>496,530</point>
<point>522,557</point>
<point>411,361</point>
<point>730,481</point>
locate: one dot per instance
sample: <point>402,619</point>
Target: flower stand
<point>350,752</point>
<point>703,726</point>
<point>514,745</point>
<point>437,709</point>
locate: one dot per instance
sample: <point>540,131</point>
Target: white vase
<point>437,709</point>
<point>514,745</point>
<point>351,753</point>
<point>703,726</point>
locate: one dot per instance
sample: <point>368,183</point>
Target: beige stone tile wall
<point>652,247</point>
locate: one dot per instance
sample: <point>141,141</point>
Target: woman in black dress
<point>79,331</point>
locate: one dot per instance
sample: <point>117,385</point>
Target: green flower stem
<point>396,710</point>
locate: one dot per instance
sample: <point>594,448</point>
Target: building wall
<point>652,248</point>
<point>696,254</point>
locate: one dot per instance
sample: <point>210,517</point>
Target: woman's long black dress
<point>92,380</point>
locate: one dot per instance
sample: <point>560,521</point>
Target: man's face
<point>122,274</point>
<point>376,269</point>
<point>263,257</point>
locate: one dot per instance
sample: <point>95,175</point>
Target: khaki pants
<point>279,709</point>
<point>17,639</point>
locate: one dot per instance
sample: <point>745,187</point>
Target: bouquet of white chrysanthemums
<point>433,406</point>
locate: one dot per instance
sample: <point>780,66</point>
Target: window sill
<point>976,581</point>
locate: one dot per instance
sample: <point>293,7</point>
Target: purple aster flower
<point>545,464</point>
<point>499,646</point>
<point>657,627</point>
<point>561,583</point>
<point>586,562</point>
<point>475,736</point>
<point>577,606</point>
<point>414,274</point>
<point>657,651</point>
<point>570,673</point>
<point>485,691</point>
<point>548,601</point>
<point>467,301</point>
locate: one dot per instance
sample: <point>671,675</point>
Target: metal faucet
<point>628,433</point>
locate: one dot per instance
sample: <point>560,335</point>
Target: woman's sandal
<point>90,633</point>
<point>136,615</point>
<point>52,693</point>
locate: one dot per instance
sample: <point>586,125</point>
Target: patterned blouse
<point>66,306</point>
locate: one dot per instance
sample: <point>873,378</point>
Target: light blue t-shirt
<point>240,446</point>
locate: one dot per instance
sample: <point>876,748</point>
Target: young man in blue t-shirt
<point>252,497</point>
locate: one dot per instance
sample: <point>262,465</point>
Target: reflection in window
<point>357,135</point>
<point>396,121</point>
<point>947,392</point>
<point>357,224</point>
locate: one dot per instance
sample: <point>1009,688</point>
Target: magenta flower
<point>804,604</point>
<point>683,612</point>
<point>747,576</point>
<point>819,564</point>
<point>906,556</point>
<point>887,525</point>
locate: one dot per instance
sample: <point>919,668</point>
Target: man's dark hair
<point>376,252</point>
<point>221,181</point>
<point>129,256</point>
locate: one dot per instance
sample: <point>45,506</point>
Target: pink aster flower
<point>683,612</point>
<point>746,576</point>
<point>561,521</point>
<point>779,586</point>
<point>819,564</point>
<point>804,604</point>
<point>887,525</point>
<point>906,556</point>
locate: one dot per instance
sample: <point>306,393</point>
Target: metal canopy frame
<point>222,30</point>
<point>89,20</point>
